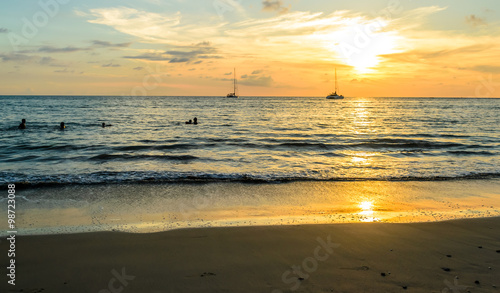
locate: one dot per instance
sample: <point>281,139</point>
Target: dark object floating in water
<point>194,121</point>
<point>382,274</point>
<point>448,255</point>
<point>477,282</point>
<point>23,124</point>
<point>405,287</point>
<point>498,251</point>
<point>301,279</point>
<point>446,269</point>
<point>479,247</point>
<point>205,274</point>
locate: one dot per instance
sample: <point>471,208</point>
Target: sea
<point>248,139</point>
<point>248,161</point>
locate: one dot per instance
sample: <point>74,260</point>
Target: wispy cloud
<point>150,57</point>
<point>66,71</point>
<point>111,65</point>
<point>149,26</point>
<point>274,6</point>
<point>3,30</point>
<point>51,62</point>
<point>486,68</point>
<point>152,27</point>
<point>182,54</point>
<point>17,57</point>
<point>106,44</point>
<point>410,19</point>
<point>429,54</point>
<point>475,21</point>
<point>254,80</point>
<point>179,60</point>
<point>21,58</point>
<point>69,49</point>
<point>96,44</point>
<point>52,49</point>
<point>47,60</point>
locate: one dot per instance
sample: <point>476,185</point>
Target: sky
<point>380,48</point>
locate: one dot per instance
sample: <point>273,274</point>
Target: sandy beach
<point>451,256</point>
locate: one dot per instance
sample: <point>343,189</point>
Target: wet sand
<point>451,256</point>
<point>147,208</point>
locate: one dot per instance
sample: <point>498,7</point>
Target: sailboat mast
<point>335,79</point>
<point>234,82</point>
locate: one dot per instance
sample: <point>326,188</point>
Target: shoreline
<point>195,180</point>
<point>352,257</point>
<point>89,232</point>
<point>254,226</point>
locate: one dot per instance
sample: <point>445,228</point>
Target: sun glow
<point>361,42</point>
<point>366,205</point>
<point>367,214</point>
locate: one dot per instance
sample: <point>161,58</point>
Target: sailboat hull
<point>335,97</point>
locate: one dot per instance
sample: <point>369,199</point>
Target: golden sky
<point>393,48</point>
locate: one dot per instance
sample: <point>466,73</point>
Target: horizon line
<point>221,96</point>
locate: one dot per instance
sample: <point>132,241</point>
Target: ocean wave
<point>108,157</point>
<point>472,153</point>
<point>178,146</point>
<point>97,178</point>
<point>407,144</point>
<point>375,144</point>
<point>56,147</point>
<point>265,143</point>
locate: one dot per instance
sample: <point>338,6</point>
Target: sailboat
<point>234,94</point>
<point>334,95</point>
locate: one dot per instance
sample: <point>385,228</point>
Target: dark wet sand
<point>421,257</point>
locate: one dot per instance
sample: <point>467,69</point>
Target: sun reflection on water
<point>367,212</point>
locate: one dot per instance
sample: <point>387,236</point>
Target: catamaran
<point>334,95</point>
<point>234,94</point>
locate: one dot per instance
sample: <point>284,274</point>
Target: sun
<point>366,205</point>
<point>362,43</point>
<point>369,54</point>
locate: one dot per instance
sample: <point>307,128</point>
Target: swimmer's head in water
<point>103,124</point>
<point>62,125</point>
<point>23,124</point>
